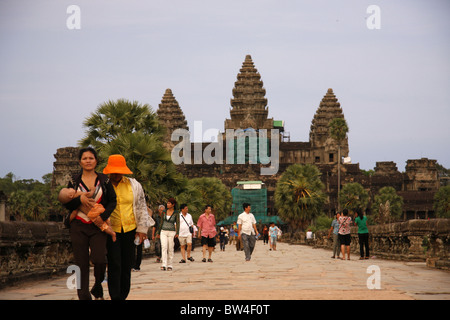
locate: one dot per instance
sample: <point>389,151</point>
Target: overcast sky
<point>393,83</point>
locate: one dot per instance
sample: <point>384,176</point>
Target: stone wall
<point>412,240</point>
<point>33,250</point>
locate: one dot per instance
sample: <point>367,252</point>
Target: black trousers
<point>121,258</point>
<point>363,243</point>
<point>83,237</point>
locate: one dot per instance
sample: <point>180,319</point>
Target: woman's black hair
<point>345,212</point>
<point>360,213</point>
<point>87,149</point>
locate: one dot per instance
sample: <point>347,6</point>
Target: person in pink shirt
<point>207,231</point>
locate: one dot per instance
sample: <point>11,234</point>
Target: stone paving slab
<point>292,272</point>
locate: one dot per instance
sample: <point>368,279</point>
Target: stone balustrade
<point>32,250</point>
<point>412,240</point>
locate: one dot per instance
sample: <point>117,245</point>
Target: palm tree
<point>338,131</point>
<point>132,130</point>
<point>299,195</point>
<point>354,196</point>
<point>208,191</point>
<point>113,118</point>
<point>395,202</point>
<point>150,163</point>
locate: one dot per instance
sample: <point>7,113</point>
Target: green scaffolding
<point>254,193</point>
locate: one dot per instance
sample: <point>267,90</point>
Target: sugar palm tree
<point>299,195</point>
<point>338,131</point>
<point>395,202</point>
<point>150,163</point>
<point>354,196</point>
<point>113,118</point>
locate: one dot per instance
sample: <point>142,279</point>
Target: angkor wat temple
<point>249,111</point>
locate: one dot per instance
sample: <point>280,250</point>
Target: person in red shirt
<point>207,231</point>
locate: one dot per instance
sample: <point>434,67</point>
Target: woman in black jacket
<point>84,233</point>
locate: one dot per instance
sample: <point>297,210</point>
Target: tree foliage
<point>202,191</point>
<point>442,202</point>
<point>353,196</point>
<point>299,195</point>
<point>395,202</point>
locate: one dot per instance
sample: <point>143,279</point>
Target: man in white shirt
<point>247,230</point>
<point>185,235</point>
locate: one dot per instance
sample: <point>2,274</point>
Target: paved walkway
<point>290,273</point>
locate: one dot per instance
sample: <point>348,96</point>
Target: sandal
<point>169,268</point>
<point>204,260</point>
<point>163,268</point>
<point>209,260</point>
<point>182,261</point>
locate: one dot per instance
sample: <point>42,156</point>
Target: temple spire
<point>249,104</point>
<point>319,135</point>
<point>170,115</point>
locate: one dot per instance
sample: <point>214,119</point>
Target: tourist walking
<point>247,230</point>
<point>363,234</point>
<point>233,232</point>
<point>265,234</point>
<point>344,233</point>
<point>207,231</point>
<point>130,221</point>
<point>139,248</point>
<point>185,234</point>
<point>335,228</point>
<point>155,232</point>
<point>273,233</point>
<point>222,238</point>
<point>169,228</point>
<point>85,235</point>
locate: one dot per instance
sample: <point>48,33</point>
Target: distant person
<point>168,230</point>
<point>222,238</point>
<point>265,234</point>
<point>247,231</point>
<point>310,236</point>
<point>344,234</point>
<point>207,232</point>
<point>155,231</point>
<point>185,233</point>
<point>335,228</point>
<point>363,234</point>
<point>273,233</point>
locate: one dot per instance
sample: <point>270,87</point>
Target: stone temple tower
<point>249,104</point>
<point>170,116</point>
<point>323,146</point>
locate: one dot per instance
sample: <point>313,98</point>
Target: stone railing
<point>412,240</point>
<point>32,249</point>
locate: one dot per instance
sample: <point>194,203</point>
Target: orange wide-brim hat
<point>116,164</point>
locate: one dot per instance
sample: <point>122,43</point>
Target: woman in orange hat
<point>85,234</point>
<point>129,221</point>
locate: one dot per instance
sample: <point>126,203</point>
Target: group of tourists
<point>340,227</point>
<point>109,221</point>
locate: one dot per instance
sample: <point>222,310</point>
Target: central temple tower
<point>249,104</point>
